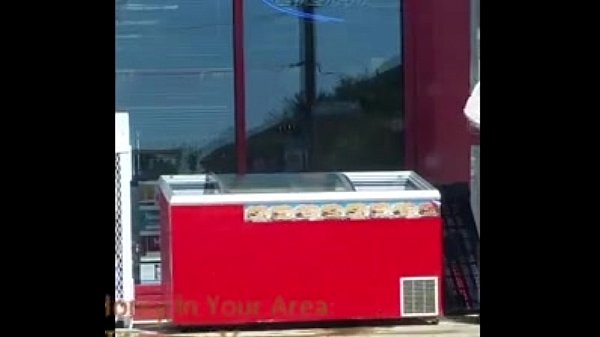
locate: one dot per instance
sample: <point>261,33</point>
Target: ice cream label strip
<point>340,211</point>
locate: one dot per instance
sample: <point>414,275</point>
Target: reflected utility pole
<point>138,154</point>
<point>309,81</point>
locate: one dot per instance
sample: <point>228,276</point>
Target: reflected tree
<point>355,126</point>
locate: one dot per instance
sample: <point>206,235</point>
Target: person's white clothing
<point>471,110</point>
<point>472,107</point>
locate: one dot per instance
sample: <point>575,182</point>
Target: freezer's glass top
<point>296,183</point>
<point>283,183</point>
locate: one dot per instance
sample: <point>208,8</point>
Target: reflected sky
<point>175,62</point>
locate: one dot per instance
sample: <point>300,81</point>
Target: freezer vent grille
<point>118,231</point>
<point>419,296</point>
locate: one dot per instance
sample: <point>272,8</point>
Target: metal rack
<point>124,284</point>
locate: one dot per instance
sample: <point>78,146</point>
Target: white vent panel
<point>419,296</point>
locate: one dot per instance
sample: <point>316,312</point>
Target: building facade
<point>292,85</point>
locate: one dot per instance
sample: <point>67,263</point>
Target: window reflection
<point>323,95</point>
<point>174,75</point>
<point>357,119</point>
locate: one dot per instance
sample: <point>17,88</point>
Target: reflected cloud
<point>145,7</point>
<point>129,36</point>
<point>137,23</point>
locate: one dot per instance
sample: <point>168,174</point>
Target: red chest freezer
<point>300,247</point>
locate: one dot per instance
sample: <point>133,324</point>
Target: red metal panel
<point>165,253</point>
<point>149,302</point>
<point>437,59</point>
<point>227,271</point>
<point>148,290</point>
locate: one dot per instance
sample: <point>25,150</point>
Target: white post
<point>475,149</point>
<point>124,284</point>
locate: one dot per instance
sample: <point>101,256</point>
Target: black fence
<point>461,251</point>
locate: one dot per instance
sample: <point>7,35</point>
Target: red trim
<point>145,289</point>
<point>239,75</point>
<point>410,85</point>
<point>149,302</point>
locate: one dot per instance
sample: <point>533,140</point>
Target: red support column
<point>437,53</point>
<point>239,74</point>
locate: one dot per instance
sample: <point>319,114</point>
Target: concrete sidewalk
<point>446,328</point>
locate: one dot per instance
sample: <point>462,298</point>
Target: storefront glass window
<point>324,85</point>
<point>174,75</point>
